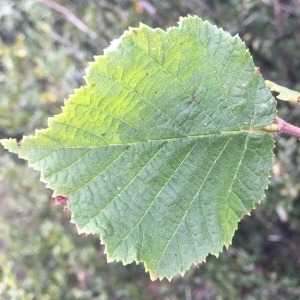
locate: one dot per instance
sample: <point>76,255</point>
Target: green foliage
<point>262,262</point>
<point>163,152</point>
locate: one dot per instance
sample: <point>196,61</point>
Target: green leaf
<point>164,150</point>
<point>284,93</point>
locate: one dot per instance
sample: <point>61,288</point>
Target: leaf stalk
<point>284,127</point>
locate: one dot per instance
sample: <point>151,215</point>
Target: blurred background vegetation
<point>44,48</point>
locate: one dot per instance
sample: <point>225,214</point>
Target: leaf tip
<point>12,145</point>
<point>197,265</point>
<point>3,142</point>
<point>155,277</point>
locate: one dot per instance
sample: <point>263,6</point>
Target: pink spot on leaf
<point>61,200</point>
<point>258,70</point>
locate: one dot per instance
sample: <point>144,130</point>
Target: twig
<point>109,6</point>
<point>70,16</point>
<point>284,127</point>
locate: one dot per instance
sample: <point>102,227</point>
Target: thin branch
<point>284,127</point>
<point>109,6</point>
<point>70,16</point>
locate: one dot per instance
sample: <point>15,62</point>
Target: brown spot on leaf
<point>19,143</point>
<point>298,100</point>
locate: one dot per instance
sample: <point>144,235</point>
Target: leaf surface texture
<point>163,152</point>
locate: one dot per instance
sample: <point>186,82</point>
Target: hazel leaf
<point>164,150</point>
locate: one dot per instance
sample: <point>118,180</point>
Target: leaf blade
<point>155,154</point>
